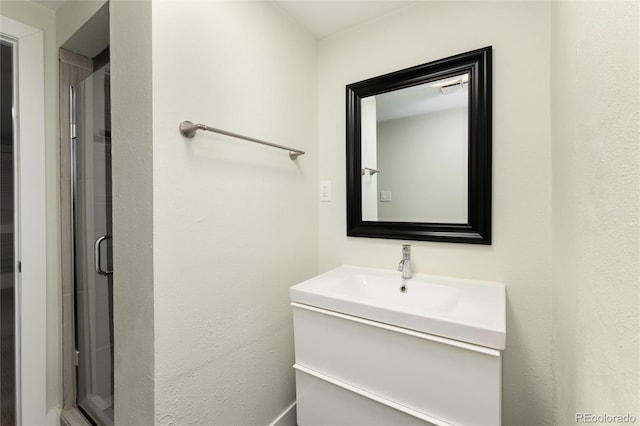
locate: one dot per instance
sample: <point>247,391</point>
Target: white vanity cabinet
<point>372,348</point>
<point>353,371</point>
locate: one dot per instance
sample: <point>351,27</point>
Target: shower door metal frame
<point>73,68</point>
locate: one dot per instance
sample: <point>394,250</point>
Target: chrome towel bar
<point>188,129</point>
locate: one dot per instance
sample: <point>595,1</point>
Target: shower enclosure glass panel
<point>91,151</point>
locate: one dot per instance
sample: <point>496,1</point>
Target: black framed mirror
<point>419,152</point>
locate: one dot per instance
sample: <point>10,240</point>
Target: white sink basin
<point>471,311</point>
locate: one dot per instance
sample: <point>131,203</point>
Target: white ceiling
<point>325,17</point>
<point>50,4</point>
<point>421,100</point>
<point>320,17</point>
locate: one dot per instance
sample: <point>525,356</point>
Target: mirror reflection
<point>414,154</point>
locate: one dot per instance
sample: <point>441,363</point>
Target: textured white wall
<point>133,186</point>
<point>520,255</point>
<point>235,223</point>
<point>595,109</point>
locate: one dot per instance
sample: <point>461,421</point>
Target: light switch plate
<point>385,196</point>
<point>325,190</point>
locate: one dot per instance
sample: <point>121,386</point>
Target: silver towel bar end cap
<point>294,155</point>
<point>188,129</point>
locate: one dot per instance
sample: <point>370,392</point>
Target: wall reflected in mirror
<point>414,154</point>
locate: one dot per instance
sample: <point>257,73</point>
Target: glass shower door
<point>91,152</point>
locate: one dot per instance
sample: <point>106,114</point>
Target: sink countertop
<point>471,311</point>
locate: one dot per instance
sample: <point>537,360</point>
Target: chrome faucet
<point>405,263</point>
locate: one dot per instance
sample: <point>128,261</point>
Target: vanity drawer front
<point>452,381</point>
<point>324,403</point>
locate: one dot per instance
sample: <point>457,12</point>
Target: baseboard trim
<point>73,417</point>
<point>287,418</point>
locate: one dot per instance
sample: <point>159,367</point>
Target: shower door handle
<point>97,253</point>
